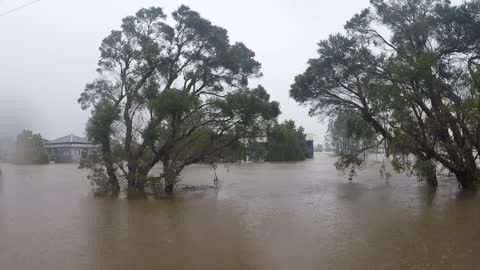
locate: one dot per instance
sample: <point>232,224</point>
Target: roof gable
<point>70,139</point>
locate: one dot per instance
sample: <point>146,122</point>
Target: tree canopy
<point>175,93</point>
<point>410,69</point>
<point>286,142</point>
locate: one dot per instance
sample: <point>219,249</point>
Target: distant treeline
<point>28,148</point>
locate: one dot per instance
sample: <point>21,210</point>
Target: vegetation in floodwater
<point>408,70</point>
<point>173,92</point>
<point>286,142</point>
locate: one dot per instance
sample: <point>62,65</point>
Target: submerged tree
<point>351,138</point>
<point>100,130</point>
<point>410,69</point>
<point>29,149</point>
<point>173,94</point>
<point>286,142</point>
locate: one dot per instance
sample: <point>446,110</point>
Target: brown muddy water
<point>264,216</point>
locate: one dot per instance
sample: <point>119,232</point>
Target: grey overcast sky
<point>49,51</point>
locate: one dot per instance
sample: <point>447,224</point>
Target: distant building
<point>309,148</point>
<point>68,149</point>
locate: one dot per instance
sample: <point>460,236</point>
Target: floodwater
<point>265,216</point>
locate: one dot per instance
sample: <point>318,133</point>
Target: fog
<point>49,51</point>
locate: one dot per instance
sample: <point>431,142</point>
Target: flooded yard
<point>265,216</point>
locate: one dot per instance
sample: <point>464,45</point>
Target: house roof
<point>69,139</point>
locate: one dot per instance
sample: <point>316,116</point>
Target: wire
<point>18,8</point>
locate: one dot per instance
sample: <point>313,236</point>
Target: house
<point>68,149</point>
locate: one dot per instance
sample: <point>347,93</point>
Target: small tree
<point>100,129</point>
<point>286,142</point>
<point>29,149</point>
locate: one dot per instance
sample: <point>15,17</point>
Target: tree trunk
<point>429,173</point>
<point>131,181</point>
<point>169,176</point>
<point>136,183</point>
<point>432,180</point>
<point>136,188</point>
<point>169,188</point>
<point>112,177</point>
<point>466,178</point>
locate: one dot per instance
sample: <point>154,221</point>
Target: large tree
<point>409,68</point>
<point>173,94</point>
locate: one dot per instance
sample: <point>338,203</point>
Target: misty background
<point>49,51</point>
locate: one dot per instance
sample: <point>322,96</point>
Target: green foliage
<point>98,178</point>
<point>286,142</point>
<point>173,91</point>
<point>29,149</point>
<point>255,150</point>
<point>172,102</point>
<point>409,70</point>
<point>100,125</point>
<point>349,133</point>
<point>250,105</point>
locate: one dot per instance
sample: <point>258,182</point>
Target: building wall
<point>67,154</point>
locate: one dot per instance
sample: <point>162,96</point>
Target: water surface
<point>265,216</point>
